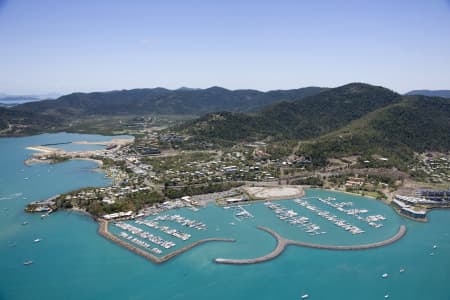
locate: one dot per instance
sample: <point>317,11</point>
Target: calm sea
<point>73,262</point>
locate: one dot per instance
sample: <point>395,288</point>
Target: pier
<point>282,243</point>
<point>103,231</point>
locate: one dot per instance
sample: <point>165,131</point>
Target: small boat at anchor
<point>27,263</point>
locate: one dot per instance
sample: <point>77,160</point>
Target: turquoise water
<point>73,262</point>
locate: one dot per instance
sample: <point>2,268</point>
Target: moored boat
<point>27,263</point>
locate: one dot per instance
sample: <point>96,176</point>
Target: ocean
<point>73,262</point>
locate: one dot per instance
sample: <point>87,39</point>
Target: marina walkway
<point>282,243</point>
<point>103,231</point>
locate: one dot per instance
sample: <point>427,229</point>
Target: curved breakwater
<point>103,231</point>
<point>282,243</point>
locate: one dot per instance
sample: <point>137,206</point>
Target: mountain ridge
<point>430,93</point>
<point>302,119</point>
<point>163,101</point>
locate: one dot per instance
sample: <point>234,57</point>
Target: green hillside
<point>14,122</point>
<point>302,119</point>
<point>417,123</point>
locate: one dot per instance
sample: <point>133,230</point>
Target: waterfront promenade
<point>103,231</point>
<point>282,243</point>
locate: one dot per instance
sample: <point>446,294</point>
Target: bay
<point>73,262</point>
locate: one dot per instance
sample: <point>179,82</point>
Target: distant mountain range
<point>25,98</point>
<point>352,119</point>
<point>13,100</point>
<point>163,101</point>
<point>431,93</point>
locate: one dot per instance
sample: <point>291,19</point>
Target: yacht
<point>386,296</point>
<point>385,275</point>
<point>37,240</point>
<point>305,296</point>
<point>28,262</point>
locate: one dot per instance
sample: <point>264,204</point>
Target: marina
<point>182,221</point>
<point>330,217</point>
<point>291,217</point>
<point>103,231</point>
<point>161,233</point>
<point>240,213</point>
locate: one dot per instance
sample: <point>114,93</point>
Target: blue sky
<point>94,45</point>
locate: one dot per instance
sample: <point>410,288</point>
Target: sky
<point>54,46</point>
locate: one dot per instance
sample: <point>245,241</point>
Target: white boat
<point>402,270</point>
<point>434,246</point>
<point>37,240</point>
<point>386,296</point>
<point>305,296</point>
<point>385,275</point>
<point>27,263</point>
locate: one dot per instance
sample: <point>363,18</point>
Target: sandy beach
<point>43,149</point>
<point>118,142</point>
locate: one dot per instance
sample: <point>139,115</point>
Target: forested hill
<point>14,122</point>
<point>302,119</point>
<point>417,123</point>
<point>163,101</point>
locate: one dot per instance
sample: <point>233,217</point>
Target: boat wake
<point>11,196</point>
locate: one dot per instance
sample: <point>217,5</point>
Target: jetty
<point>282,243</point>
<point>103,231</point>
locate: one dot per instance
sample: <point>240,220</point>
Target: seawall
<point>282,243</point>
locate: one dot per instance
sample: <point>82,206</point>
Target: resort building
<point>409,210</point>
<point>434,195</point>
